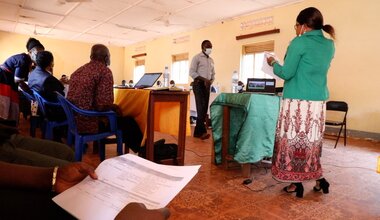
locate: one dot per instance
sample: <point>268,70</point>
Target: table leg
<point>226,135</point>
<point>150,131</point>
<point>182,131</point>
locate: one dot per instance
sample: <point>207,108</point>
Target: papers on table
<point>124,179</point>
<point>268,69</point>
<point>157,88</point>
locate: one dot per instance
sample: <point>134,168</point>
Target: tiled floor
<point>215,193</point>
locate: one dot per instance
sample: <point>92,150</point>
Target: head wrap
<point>32,43</point>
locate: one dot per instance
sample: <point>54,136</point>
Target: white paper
<point>124,179</point>
<point>268,69</point>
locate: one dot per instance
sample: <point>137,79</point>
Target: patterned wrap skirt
<point>9,99</point>
<point>298,143</point>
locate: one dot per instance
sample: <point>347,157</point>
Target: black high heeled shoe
<point>298,190</point>
<point>324,185</point>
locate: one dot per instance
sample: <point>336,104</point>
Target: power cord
<point>198,154</point>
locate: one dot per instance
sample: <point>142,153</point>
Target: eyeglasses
<point>296,26</point>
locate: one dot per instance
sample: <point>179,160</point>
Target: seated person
<point>123,82</point>
<point>42,81</point>
<point>158,83</point>
<point>64,79</point>
<point>29,189</point>
<point>130,84</point>
<point>16,148</point>
<point>171,84</point>
<point>91,88</point>
<point>240,87</point>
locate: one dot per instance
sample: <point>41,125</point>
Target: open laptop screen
<point>261,85</point>
<point>147,80</point>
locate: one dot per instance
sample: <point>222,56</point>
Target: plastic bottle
<point>235,80</point>
<point>166,76</point>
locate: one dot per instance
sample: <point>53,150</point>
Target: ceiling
<point>120,22</point>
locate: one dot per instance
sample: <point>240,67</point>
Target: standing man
<point>203,73</point>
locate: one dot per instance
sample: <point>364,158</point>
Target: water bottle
<point>166,76</point>
<point>235,80</point>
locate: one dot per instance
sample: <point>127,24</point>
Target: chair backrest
<point>337,106</point>
<point>29,95</point>
<point>43,103</point>
<point>71,110</point>
<point>68,108</point>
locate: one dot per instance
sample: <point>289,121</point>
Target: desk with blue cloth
<point>244,126</point>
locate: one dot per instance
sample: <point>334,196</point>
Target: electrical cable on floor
<point>364,168</point>
<point>198,154</point>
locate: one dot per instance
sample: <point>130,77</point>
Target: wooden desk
<point>154,111</point>
<point>164,96</point>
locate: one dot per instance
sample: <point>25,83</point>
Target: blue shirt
<point>19,65</point>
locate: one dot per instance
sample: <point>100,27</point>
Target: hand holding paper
<point>268,69</point>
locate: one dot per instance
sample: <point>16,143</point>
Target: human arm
<point>193,71</point>
<point>104,91</point>
<point>292,59</point>
<point>22,67</point>
<point>139,211</point>
<point>40,178</point>
<point>52,85</point>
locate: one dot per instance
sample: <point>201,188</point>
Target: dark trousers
<point>132,135</point>
<point>202,96</point>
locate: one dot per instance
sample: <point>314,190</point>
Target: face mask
<point>33,55</point>
<point>208,51</point>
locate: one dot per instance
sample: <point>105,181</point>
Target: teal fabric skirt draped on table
<point>253,119</point>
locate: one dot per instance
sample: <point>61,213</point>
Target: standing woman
<point>14,70</point>
<point>301,121</point>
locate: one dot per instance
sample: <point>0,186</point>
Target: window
<point>139,70</point>
<point>180,68</point>
<point>252,60</point>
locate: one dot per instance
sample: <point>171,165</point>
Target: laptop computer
<point>261,85</point>
<point>147,80</point>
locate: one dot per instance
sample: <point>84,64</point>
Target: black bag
<point>162,151</point>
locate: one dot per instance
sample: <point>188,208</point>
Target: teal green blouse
<point>306,63</point>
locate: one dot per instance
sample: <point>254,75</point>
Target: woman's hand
<point>270,60</point>
<point>72,174</point>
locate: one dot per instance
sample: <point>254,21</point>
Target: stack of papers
<point>122,180</point>
<point>157,88</point>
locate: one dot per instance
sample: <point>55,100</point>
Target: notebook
<point>261,85</point>
<point>147,80</point>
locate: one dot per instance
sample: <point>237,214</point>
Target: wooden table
<point>148,113</point>
<point>165,96</point>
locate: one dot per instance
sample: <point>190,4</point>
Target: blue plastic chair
<point>82,138</point>
<point>49,125</point>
